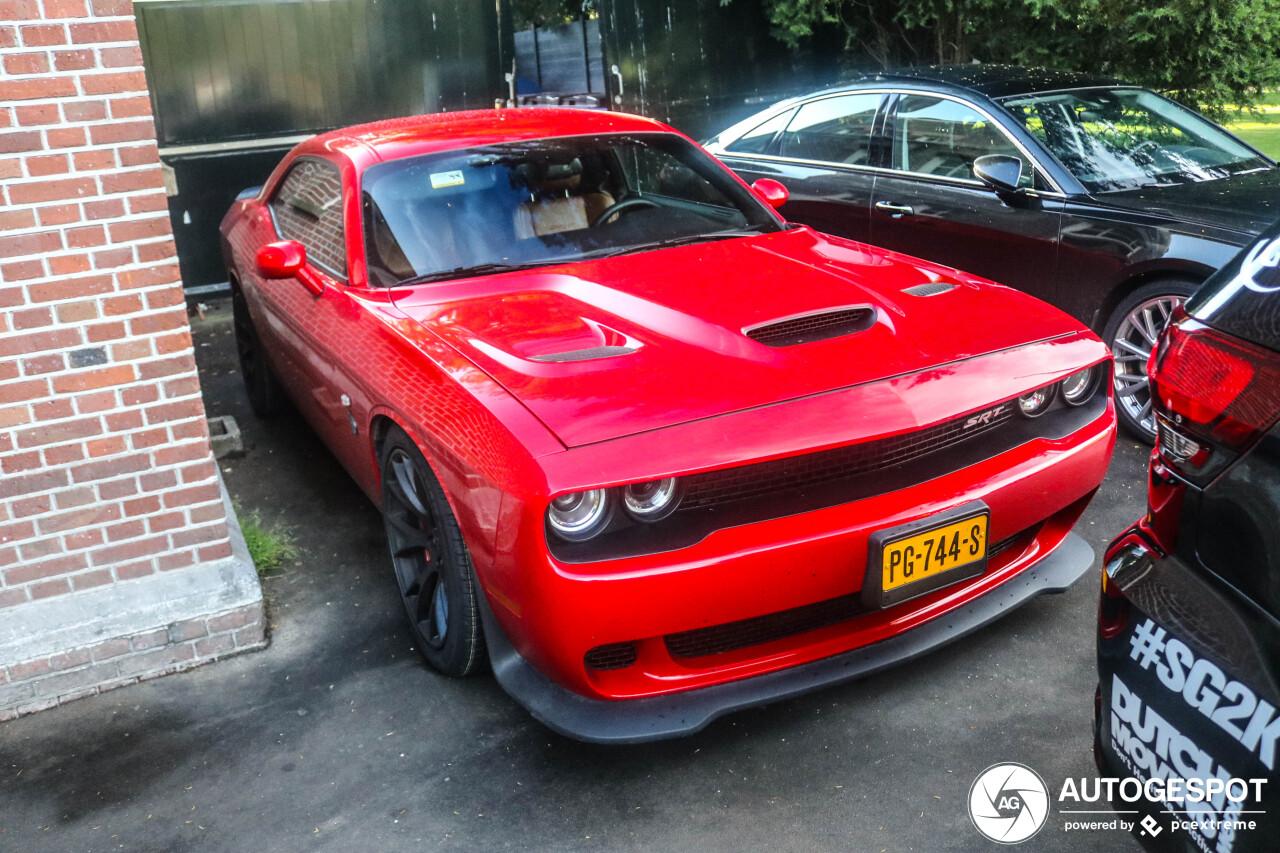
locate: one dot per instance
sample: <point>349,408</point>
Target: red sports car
<point>652,451</point>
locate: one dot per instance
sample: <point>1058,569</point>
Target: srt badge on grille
<point>985,418</point>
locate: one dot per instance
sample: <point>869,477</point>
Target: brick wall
<point>106,477</point>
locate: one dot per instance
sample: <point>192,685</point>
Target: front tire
<point>1131,335</point>
<point>430,559</point>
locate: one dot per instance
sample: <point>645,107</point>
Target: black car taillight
<point>1208,389</point>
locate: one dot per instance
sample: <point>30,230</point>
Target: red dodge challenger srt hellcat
<point>650,450</point>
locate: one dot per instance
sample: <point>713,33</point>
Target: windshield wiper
<point>671,242</point>
<point>479,269</point>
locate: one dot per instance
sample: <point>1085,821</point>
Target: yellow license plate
<point>926,555</point>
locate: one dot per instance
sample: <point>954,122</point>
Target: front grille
<point>763,629</point>
<point>810,469</point>
<point>785,623</point>
<point>611,656</point>
<point>813,327</point>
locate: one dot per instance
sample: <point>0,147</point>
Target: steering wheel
<point>1146,147</point>
<point>618,207</point>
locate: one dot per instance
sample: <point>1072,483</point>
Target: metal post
<point>586,51</point>
<point>537,56</point>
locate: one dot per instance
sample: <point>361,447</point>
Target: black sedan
<point>1189,620</point>
<point>1104,199</point>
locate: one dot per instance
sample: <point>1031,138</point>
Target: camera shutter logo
<point>1008,803</point>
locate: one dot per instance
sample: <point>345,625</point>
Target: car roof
<point>405,137</point>
<point>992,81</point>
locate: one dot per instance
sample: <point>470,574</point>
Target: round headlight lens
<point>651,501</point>
<point>578,516</point>
<point>1079,386</point>
<point>1036,403</point>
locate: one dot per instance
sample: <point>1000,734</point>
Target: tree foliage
<point>1206,52</point>
<point>547,13</point>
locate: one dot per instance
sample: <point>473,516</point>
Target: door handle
<point>617,72</point>
<point>895,210</point>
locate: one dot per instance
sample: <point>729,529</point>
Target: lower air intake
<point>611,656</point>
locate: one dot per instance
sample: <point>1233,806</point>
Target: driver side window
<point>938,136</point>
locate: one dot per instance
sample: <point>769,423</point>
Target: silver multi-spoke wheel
<point>1133,335</point>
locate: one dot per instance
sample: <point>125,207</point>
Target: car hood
<point>604,349</point>
<point>1246,203</point>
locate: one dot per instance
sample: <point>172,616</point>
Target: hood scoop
<point>585,354</point>
<point>816,326</point>
<point>929,288</point>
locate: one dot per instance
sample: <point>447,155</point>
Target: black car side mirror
<point>998,171</point>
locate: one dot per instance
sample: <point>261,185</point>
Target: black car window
<point>756,141</point>
<point>308,208</point>
<point>832,130</point>
<point>938,136</point>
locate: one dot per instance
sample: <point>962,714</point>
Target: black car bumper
<point>656,718</point>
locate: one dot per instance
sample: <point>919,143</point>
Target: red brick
<point>45,339</point>
<point>108,446</point>
<point>32,318</point>
<point>149,203</point>
<point>19,141</point>
<point>216,551</point>
<point>106,468</point>
<point>27,507</point>
<point>52,410</point>
<point>49,589</point>
<point>90,516</point>
<point>16,531</point>
<point>52,190</point>
<point>121,131</point>
<point>229,621</point>
<point>67,9</point>
<point>59,214</point>
<point>105,332</point>
<point>69,264</point>
<point>131,550</point>
<point>179,411</point>
<point>147,439</point>
<point>75,60</point>
<point>92,379</point>
<point>13,220</point>
<point>152,252</point>
<point>44,569</point>
<point>214,645</point>
<point>99,401</point>
<point>182,453</point>
<point>116,489</point>
<point>77,312</point>
<point>130,571</point>
<point>150,324</point>
<point>193,495</point>
<point>13,416</point>
<point>83,110</point>
<point>27,63</point>
<point>32,551</point>
<point>108,208</point>
<point>15,463</point>
<point>12,597</point>
<point>56,291</point>
<point>8,38</point>
<point>183,386</point>
<point>139,395</point>
<point>25,484</point>
<point>67,660</point>
<point>125,57</point>
<point>158,481</point>
<point>131,529</point>
<point>131,350</point>
<point>21,271</point>
<point>66,137</point>
<point>112,8</point>
<point>29,669</point>
<point>30,88</point>
<point>54,164</point>
<point>43,35</point>
<point>144,505</point>
<point>151,276</point>
<point>127,303</point>
<point>88,580</point>
<point>37,114</point>
<point>164,523</point>
<point>42,364</point>
<point>30,244</point>
<point>10,167</point>
<point>19,10</point>
<point>88,161</point>
<point>23,392</point>
<point>59,433</point>
<point>112,258</point>
<point>143,179</point>
<point>63,455</point>
<point>103,31</point>
<point>124,421</point>
<point>140,155</point>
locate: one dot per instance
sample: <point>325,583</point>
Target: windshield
<point>1118,139</point>
<point>539,202</point>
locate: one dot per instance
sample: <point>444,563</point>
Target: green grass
<point>270,549</point>
<point>1259,127</point>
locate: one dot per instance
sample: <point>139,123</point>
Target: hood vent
<point>808,328</point>
<point>584,354</point>
<point>929,288</point>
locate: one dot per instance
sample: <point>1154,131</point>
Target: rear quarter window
<point>308,208</point>
<point>1243,298</point>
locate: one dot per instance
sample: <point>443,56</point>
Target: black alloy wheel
<point>266,397</point>
<point>1131,335</point>
<point>431,562</point>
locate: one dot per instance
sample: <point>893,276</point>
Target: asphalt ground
<point>338,737</point>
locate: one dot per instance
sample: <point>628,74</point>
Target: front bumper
<point>686,712</point>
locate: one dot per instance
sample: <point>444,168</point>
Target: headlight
<point>1036,403</point>
<point>651,501</point>
<point>579,516</point>
<point>1079,386</point>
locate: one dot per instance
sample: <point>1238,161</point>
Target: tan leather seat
<point>559,206</point>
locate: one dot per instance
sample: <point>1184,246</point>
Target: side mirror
<point>281,260</point>
<point>288,259</point>
<point>998,171</point>
<point>774,194</point>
